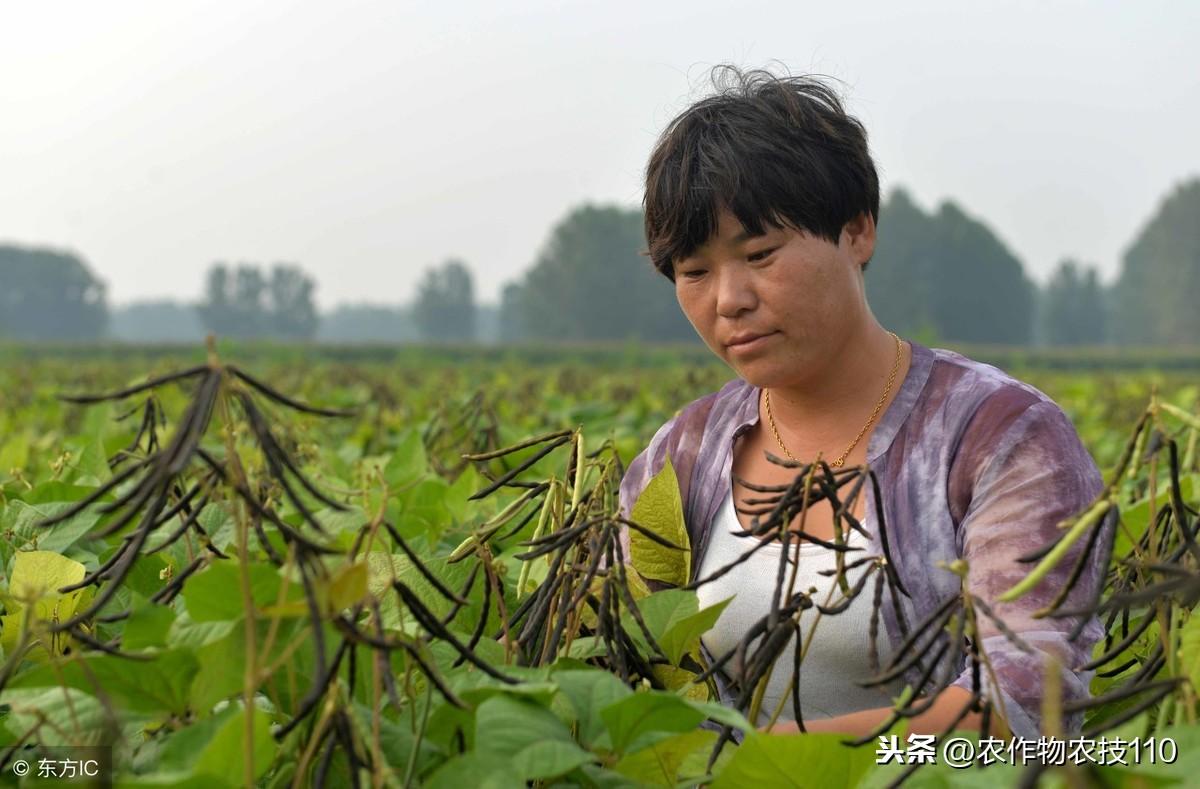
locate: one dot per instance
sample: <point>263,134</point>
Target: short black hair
<point>773,150</point>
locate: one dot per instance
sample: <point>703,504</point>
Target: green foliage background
<point>180,714</point>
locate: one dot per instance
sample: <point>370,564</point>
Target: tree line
<point>937,276</point>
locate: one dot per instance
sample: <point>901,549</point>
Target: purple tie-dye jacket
<point>972,464</point>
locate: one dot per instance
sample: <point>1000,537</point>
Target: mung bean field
<point>254,566</point>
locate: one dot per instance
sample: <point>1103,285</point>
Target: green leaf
<point>221,527</point>
<point>683,636</point>
<point>215,593</point>
<point>1189,648</point>
<point>638,720</point>
<point>1134,519</point>
<point>180,749</point>
<point>348,585</point>
<point>535,742</point>
<point>422,507</point>
<point>150,572</point>
<point>457,497</point>
<point>223,663</point>
<point>726,716</point>
<point>382,569</point>
<point>681,681</point>
<point>14,451</point>
<point>666,762</point>
<point>660,510</point>
<point>223,757</point>
<point>69,716</point>
<point>90,464</point>
<point>408,461</point>
<point>589,691</point>
<point>452,575</point>
<point>662,609</point>
<point>186,633</point>
<point>222,670</point>
<point>597,777</point>
<point>38,574</point>
<point>33,592</point>
<point>147,626</point>
<point>154,686</point>
<point>476,770</point>
<point>61,495</point>
<point>20,518</point>
<point>347,521</point>
<point>586,647</point>
<point>531,689</point>
<point>549,758</point>
<point>674,619</point>
<point>789,760</point>
<point>396,739</point>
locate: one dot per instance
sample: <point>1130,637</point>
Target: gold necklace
<point>838,463</point>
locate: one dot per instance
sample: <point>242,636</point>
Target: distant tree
<point>156,321</point>
<point>591,282</point>
<point>900,279</point>
<point>947,276</point>
<point>49,295</point>
<point>1072,306</point>
<point>981,292</point>
<point>352,323</point>
<point>488,329</point>
<point>444,309</point>
<point>217,312</point>
<point>253,313</point>
<point>242,302</point>
<point>1155,294</point>
<point>512,325</point>
<point>294,315</point>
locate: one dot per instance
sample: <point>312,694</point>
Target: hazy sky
<point>366,141</point>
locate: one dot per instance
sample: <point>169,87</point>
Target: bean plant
<point>218,599</point>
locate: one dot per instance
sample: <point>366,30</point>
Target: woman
<point>761,205</point>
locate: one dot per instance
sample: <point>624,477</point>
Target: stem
<point>250,675</point>
<point>977,639</point>
<point>803,517</point>
<point>1160,720</point>
<point>418,735</point>
<point>523,577</point>
<point>489,572</point>
<point>812,629</point>
<point>277,617</point>
<point>1153,506</point>
<point>315,740</point>
<point>283,659</point>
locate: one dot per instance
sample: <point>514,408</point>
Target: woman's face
<point>781,307</point>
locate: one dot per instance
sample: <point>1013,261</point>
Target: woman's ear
<point>859,233</point>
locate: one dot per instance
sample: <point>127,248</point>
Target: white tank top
<point>837,655</point>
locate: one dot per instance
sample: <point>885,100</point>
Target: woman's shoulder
<point>989,418</point>
<point>968,410</point>
<point>964,390</point>
<point>680,437</point>
<point>709,411</point>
